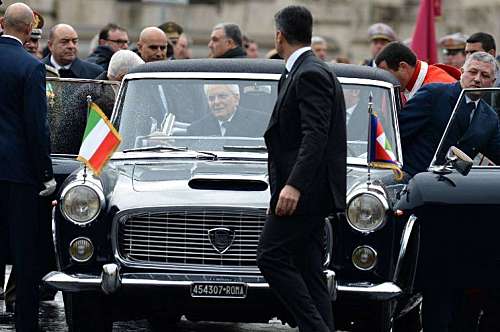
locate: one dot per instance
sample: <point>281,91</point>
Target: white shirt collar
<point>13,37</point>
<point>295,55</point>
<point>56,65</point>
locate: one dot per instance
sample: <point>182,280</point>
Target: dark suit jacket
<point>423,121</point>
<point>306,138</point>
<point>482,135</point>
<point>24,134</point>
<point>80,69</point>
<point>245,122</point>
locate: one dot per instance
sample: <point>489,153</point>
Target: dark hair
<point>295,23</point>
<point>395,52</point>
<point>232,31</point>
<point>104,33</point>
<point>487,41</point>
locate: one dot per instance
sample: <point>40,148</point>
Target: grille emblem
<point>221,238</point>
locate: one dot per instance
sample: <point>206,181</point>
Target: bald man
<point>25,167</point>
<point>63,46</point>
<point>152,44</point>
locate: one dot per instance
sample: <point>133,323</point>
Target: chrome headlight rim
<point>94,188</point>
<point>375,254</point>
<point>78,239</point>
<point>376,192</point>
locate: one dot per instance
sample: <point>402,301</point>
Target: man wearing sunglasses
<point>152,44</point>
<point>112,38</point>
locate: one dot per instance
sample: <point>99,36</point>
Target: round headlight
<point>364,258</point>
<point>81,249</point>
<point>366,213</point>
<point>81,204</point>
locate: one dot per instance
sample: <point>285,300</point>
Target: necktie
<point>282,79</point>
<point>223,127</point>
<point>464,117</point>
<point>66,73</point>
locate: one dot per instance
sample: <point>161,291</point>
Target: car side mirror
<point>459,160</point>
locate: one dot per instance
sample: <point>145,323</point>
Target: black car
<point>171,226</point>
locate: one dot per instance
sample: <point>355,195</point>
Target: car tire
<point>164,321</point>
<point>86,312</point>
<point>411,322</point>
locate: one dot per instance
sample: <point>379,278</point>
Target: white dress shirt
<point>13,37</point>
<point>293,58</point>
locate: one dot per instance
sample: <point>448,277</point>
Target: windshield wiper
<point>156,148</point>
<point>245,148</point>
<point>211,154</point>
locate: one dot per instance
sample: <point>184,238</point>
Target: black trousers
<point>290,255</point>
<point>19,206</point>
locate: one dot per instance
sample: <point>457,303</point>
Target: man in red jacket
<point>400,61</point>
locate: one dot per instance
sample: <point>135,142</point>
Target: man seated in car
<point>226,117</point>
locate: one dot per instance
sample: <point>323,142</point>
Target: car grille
<point>182,236</point>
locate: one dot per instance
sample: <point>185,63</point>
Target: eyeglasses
<point>447,51</point>
<point>118,41</point>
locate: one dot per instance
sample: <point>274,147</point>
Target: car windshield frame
<point>433,164</point>
<point>379,84</point>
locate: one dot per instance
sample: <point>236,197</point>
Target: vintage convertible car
<point>171,226</point>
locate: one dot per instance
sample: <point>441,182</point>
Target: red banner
<point>423,42</point>
<point>437,7</point>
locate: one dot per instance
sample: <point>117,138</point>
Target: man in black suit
<point>306,141</point>
<point>25,165</point>
<point>226,117</point>
<point>63,46</point>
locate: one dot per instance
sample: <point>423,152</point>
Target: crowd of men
<point>429,93</point>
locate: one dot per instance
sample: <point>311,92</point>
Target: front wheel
<point>87,312</point>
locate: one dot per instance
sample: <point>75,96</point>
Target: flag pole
<point>89,102</point>
<point>370,111</point>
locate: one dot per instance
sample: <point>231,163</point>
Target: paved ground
<point>52,319</point>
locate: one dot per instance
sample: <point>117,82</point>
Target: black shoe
<point>10,307</point>
<point>46,293</point>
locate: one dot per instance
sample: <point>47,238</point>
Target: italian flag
<point>100,140</point>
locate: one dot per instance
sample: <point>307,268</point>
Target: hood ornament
<point>221,238</point>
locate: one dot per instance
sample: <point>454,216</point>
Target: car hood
<point>188,182</point>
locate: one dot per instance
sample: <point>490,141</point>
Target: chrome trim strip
<point>76,283</point>
<point>405,238</point>
<point>204,75</point>
<point>54,238</point>
<point>365,81</point>
<point>381,292</point>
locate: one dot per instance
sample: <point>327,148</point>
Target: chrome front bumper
<point>111,280</point>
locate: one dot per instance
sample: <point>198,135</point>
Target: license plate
<point>212,289</point>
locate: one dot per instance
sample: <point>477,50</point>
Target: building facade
<point>343,23</point>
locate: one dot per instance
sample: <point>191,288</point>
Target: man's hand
<point>50,187</point>
<point>287,202</point>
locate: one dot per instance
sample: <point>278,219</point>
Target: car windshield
<point>67,108</point>
<point>357,100</point>
<point>473,128</point>
<point>230,115</point>
<point>199,114</point>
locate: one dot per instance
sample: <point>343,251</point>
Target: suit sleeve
<point>416,113</point>
<point>35,119</point>
<point>314,93</point>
